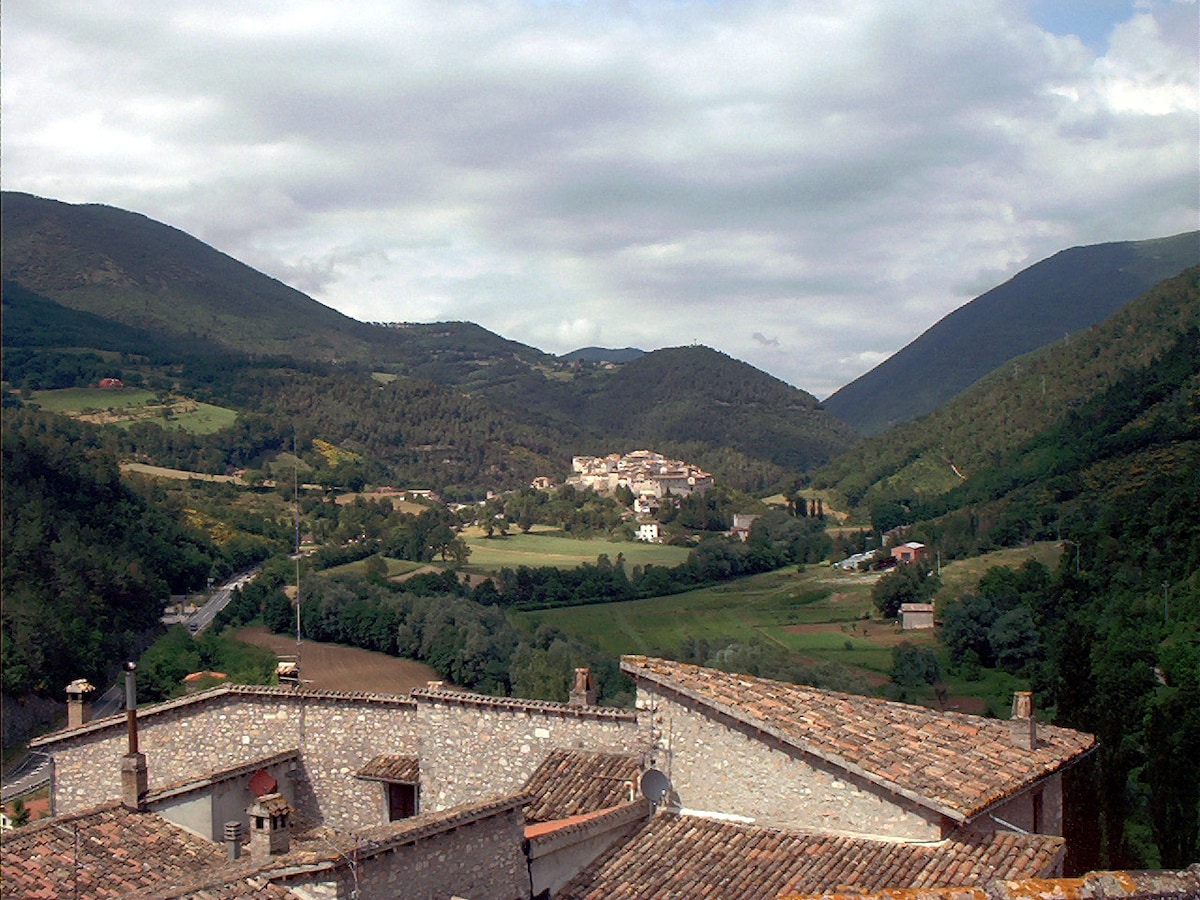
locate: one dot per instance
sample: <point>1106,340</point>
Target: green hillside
<point>92,292</point>
<point>1071,290</point>
<point>975,431</point>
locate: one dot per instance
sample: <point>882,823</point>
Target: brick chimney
<point>583,693</point>
<point>270,826</point>
<point>1023,725</point>
<point>135,782</point>
<point>79,707</point>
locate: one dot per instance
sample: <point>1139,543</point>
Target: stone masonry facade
<point>500,742</point>
<point>726,767</point>
<point>482,860</point>
<point>470,746</point>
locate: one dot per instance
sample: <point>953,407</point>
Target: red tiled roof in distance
<point>680,857</point>
<point>573,782</point>
<point>956,764</point>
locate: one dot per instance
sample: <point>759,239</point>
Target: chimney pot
<point>233,840</point>
<point>583,693</point>
<point>1023,724</point>
<point>435,685</point>
<point>79,708</point>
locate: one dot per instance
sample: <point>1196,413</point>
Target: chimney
<point>79,707</point>
<point>435,685</point>
<point>134,777</point>
<point>233,840</point>
<point>270,826</point>
<point>1023,725</point>
<point>584,691</point>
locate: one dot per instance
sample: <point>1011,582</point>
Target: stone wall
<point>473,746</point>
<point>192,737</point>
<point>1039,809</point>
<point>469,746</point>
<point>481,859</point>
<point>717,765</point>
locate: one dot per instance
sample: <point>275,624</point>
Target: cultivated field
<point>543,547</point>
<point>333,667</point>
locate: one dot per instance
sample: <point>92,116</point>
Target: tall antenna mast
<point>296,516</point>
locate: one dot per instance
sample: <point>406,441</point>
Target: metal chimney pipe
<point>131,705</point>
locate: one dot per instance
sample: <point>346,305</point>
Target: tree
<point>910,583</point>
<point>913,666</point>
<point>20,813</point>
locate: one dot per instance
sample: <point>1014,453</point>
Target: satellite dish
<point>655,785</point>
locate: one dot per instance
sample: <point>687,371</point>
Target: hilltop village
<point>643,472</point>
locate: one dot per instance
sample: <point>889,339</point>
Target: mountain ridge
<point>1071,290</point>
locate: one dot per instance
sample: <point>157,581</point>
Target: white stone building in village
<point>715,785</point>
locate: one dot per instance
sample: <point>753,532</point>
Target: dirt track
<point>333,667</point>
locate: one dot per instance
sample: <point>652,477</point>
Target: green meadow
<point>547,547</point>
<point>819,615</point>
<point>124,406</point>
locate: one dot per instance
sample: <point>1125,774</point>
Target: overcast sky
<point>803,185</point>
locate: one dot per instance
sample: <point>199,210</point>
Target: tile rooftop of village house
<point>679,857</point>
<point>954,763</point>
<point>575,782</point>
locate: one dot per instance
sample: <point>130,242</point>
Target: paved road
<point>34,771</point>
<point>203,617</point>
<point>31,774</point>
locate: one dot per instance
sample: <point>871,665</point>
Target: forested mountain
<point>1095,443</point>
<point>970,435</point>
<point>602,355</point>
<point>1069,291</point>
<point>186,317</point>
<point>88,562</point>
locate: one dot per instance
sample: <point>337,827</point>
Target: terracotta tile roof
<point>253,887</point>
<point>1156,885</point>
<point>574,782</point>
<point>953,763</point>
<point>391,767</point>
<point>685,857</point>
<point>108,851</point>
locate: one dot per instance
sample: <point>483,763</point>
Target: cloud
<point>622,174</point>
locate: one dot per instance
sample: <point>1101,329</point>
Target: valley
<point>1055,503</point>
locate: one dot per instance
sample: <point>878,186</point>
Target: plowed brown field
<point>333,667</point>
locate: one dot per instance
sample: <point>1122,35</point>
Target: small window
<point>402,801</point>
<point>1037,813</point>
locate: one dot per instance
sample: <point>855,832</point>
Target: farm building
<point>910,552</point>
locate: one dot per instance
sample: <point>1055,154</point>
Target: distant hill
<point>984,425</point>
<point>1060,295</point>
<point>94,278</point>
<point>602,355</point>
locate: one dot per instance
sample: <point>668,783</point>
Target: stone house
<point>916,615</point>
<point>440,793</point>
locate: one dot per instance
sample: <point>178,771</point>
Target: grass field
<point>545,547</point>
<point>820,614</point>
<point>124,406</point>
<point>395,567</point>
